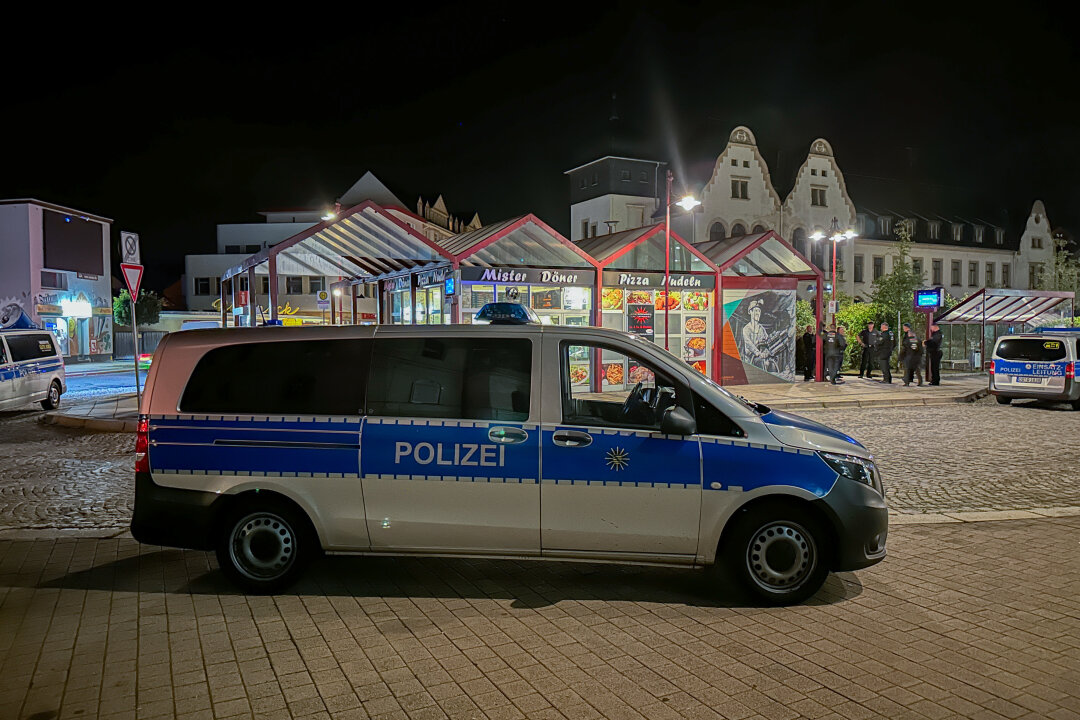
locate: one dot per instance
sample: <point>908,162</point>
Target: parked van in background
<point>31,369</point>
<point>1037,366</point>
<point>271,444</point>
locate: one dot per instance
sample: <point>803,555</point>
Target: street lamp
<point>688,203</point>
<point>836,236</point>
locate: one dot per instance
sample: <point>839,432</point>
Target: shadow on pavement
<point>528,583</point>
<point>1040,405</point>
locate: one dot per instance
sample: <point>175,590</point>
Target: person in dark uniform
<point>868,339</point>
<point>833,354</point>
<point>933,351</point>
<point>886,343</point>
<point>911,357</point>
<point>809,344</point>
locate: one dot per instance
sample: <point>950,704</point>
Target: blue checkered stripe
<point>255,445</point>
<point>738,465</point>
<point>619,457</point>
<point>10,372</point>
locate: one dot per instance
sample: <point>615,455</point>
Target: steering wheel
<point>632,400</point>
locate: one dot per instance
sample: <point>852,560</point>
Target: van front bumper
<point>173,517</point>
<point>860,519</point>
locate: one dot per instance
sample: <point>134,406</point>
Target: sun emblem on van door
<point>618,459</point>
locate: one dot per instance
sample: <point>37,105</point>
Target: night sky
<point>207,118</point>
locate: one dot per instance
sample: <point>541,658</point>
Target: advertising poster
<point>759,336</point>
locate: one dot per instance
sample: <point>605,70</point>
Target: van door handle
<point>507,435</point>
<point>571,438</point>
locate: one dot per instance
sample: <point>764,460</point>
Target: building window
<point>264,285</point>
<point>858,268</point>
<point>716,231</point>
<point>734,162</point>
<point>643,177</point>
<point>989,274</point>
<point>738,230</point>
<point>973,274</point>
<point>234,249</point>
<point>955,273</point>
<point>624,175</point>
<point>746,163</point>
<point>595,178</point>
<point>1034,272</point>
<point>879,267</point>
<point>933,228</point>
<point>999,237</point>
<point>813,171</point>
<point>886,226</point>
<point>979,230</point>
<point>740,189</point>
<point>583,182</point>
<point>1006,281</point>
<point>294,285</point>
<point>316,284</point>
<point>584,229</point>
<point>916,266</point>
<point>1036,242</point>
<point>938,269</point>
<point>824,173</point>
<point>957,232</point>
<point>53,280</point>
<point>817,197</point>
<point>202,286</point>
<point>592,229</point>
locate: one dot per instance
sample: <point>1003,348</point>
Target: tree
<point>894,293</point>
<point>147,308</point>
<point>1063,270</point>
<point>854,316</point>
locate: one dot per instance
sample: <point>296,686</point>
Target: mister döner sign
<point>531,276</point>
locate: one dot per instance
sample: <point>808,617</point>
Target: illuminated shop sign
<point>532,276</point>
<point>615,278</point>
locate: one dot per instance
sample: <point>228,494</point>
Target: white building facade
<point>56,269</point>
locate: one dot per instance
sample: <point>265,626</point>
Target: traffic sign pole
<point>133,277</point>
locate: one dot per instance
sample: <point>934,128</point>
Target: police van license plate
<point>1031,380</point>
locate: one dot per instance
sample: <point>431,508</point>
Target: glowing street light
<point>837,237</point>
<point>688,203</point>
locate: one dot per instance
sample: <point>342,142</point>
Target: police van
<point>31,369</point>
<point>574,443</point>
<point>1040,366</point>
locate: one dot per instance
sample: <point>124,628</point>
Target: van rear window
<point>303,377</point>
<point>1032,349</point>
<point>30,347</point>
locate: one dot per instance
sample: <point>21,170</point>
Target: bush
<point>147,308</point>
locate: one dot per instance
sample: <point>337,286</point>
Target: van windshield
<point>1032,349</point>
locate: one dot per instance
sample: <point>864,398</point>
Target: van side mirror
<point>677,422</point>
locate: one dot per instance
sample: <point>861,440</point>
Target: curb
<point>91,423</point>
<point>880,402</point>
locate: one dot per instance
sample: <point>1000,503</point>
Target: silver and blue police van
<point>1038,366</point>
<point>532,441</point>
<point>31,369</point>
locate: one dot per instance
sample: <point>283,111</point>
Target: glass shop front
<point>559,296</point>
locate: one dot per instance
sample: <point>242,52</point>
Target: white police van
<point>1039,366</point>
<point>269,445</point>
<point>31,369</point>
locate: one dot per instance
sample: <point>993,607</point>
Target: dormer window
<point>934,228</point>
<point>813,171</point>
<point>824,173</point>
<point>1036,242</point>
<point>734,162</point>
<point>957,232</point>
<point>886,225</point>
<point>979,231</point>
<point>999,238</point>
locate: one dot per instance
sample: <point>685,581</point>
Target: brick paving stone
<point>962,620</point>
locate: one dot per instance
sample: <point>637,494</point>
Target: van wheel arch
<point>229,503</point>
<point>779,503</point>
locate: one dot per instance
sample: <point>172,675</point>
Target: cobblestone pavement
<point>51,476</point>
<point>982,456</point>
<point>969,456</point>
<point>975,620</point>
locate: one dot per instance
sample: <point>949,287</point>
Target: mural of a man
<point>754,337</point>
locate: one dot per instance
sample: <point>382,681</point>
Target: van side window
<point>711,421</point>
<point>3,355</point>
<point>30,347</point>
<point>304,377</point>
<point>600,387</point>
<point>474,378</point>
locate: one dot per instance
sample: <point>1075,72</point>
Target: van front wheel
<point>264,546</point>
<point>779,554</point>
<point>52,400</point>
<point>1002,400</point>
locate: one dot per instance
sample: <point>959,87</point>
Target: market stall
<point>632,296</point>
<point>758,275</point>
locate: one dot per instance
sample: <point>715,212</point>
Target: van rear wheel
<point>779,554</point>
<point>1002,400</point>
<point>264,546</point>
<point>52,400</point>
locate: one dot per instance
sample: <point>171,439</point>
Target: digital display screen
<point>449,286</point>
<point>72,244</point>
<point>927,298</point>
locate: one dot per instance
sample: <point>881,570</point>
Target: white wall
<point>927,253</point>
<point>611,207</point>
<point>762,206</point>
<point>261,234</point>
<point>213,266</point>
<point>1037,228</point>
<point>15,250</point>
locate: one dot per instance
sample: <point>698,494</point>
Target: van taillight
<point>142,445</point>
<point>990,367</point>
<point>1070,370</point>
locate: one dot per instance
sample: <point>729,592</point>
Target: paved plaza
<point>971,620</point>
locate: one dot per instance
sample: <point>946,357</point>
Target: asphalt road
<point>83,387</point>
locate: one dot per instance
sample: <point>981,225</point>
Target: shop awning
<point>365,241</point>
<point>643,249</point>
<point>761,254</point>
<point>991,306</point>
<point>524,241</point>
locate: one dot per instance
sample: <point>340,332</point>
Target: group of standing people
<point>877,346</point>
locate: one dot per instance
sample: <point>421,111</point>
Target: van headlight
<point>854,468</point>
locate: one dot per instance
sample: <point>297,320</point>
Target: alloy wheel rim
<point>781,556</point>
<point>262,546</point>
<point>54,394</point>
